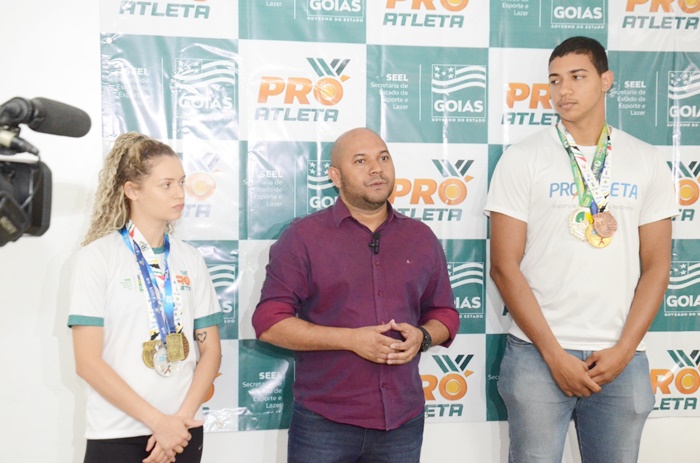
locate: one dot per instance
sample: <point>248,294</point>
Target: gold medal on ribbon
<point>579,219</point>
<point>176,346</point>
<point>595,239</point>
<point>149,349</point>
<point>604,224</point>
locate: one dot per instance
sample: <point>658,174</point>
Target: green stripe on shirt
<point>83,320</point>
<point>210,320</point>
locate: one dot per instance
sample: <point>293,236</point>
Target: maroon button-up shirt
<point>323,270</point>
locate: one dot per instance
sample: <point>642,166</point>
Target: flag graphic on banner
<point>683,84</point>
<point>684,274</point>
<point>464,273</point>
<point>448,79</point>
<point>195,74</point>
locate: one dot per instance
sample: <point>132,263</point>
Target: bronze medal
<point>596,240</point>
<point>604,224</point>
<point>185,346</point>
<point>579,219</point>
<point>149,349</point>
<point>175,345</point>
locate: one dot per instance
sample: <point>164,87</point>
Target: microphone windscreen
<point>57,118</point>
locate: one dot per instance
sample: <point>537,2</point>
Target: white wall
<point>50,48</point>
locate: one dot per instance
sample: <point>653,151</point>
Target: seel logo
<point>449,387</point>
<point>458,93</point>
<point>424,192</point>
<point>680,381</point>
<point>323,93</point>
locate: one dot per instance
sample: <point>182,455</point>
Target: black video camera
<point>25,185</point>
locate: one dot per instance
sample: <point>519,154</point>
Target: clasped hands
<point>170,437</point>
<point>371,343</point>
<point>582,378</point>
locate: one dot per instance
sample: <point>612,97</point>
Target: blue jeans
<point>314,439</point>
<point>608,424</point>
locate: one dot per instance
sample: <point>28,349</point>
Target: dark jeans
<point>314,439</point>
<point>133,449</point>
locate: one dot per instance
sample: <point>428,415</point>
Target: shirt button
<point>383,385</point>
<point>377,263</point>
<point>379,293</point>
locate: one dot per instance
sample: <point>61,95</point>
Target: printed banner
<point>251,95</point>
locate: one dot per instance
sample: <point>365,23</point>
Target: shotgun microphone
<point>45,116</point>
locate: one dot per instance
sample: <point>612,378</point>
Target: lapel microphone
<point>374,244</point>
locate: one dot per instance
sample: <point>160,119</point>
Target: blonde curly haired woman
<point>139,303</point>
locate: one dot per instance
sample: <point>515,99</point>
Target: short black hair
<point>583,46</point>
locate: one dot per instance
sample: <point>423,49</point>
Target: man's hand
<point>370,343</point>
<point>571,375</point>
<point>405,351</point>
<point>605,365</point>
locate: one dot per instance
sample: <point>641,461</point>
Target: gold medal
<point>149,349</point>
<point>176,348</point>
<point>604,224</point>
<point>596,240</point>
<point>579,219</point>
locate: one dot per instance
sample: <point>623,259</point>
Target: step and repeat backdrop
<point>252,93</point>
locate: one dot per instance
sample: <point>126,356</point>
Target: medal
<point>165,353</point>
<point>149,349</point>
<point>176,346</point>
<point>185,345</point>
<point>162,365</point>
<point>604,224</point>
<point>589,222</point>
<point>596,240</point>
<point>579,219</point>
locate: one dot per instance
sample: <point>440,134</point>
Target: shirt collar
<point>341,212</point>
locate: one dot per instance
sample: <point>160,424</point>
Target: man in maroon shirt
<point>358,290</point>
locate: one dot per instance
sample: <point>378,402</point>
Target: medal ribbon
<point>596,190</point>
<point>157,281</point>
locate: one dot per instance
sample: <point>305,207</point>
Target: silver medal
<point>579,219</point>
<point>162,365</point>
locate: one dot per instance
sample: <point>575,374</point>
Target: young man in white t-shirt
<point>580,252</point>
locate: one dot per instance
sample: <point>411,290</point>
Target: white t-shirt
<point>106,289</point>
<point>585,293</point>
